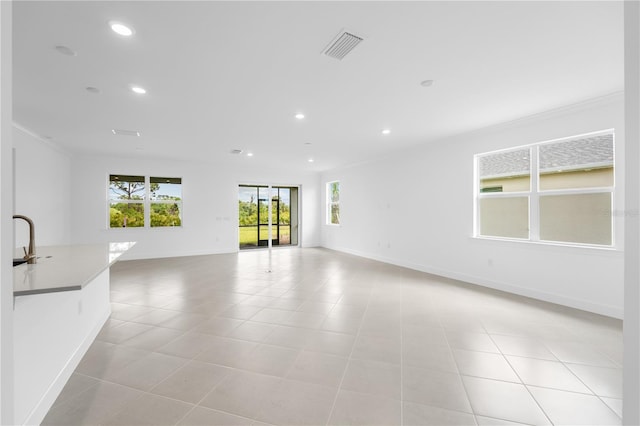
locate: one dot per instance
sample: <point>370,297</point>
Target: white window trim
<point>146,201</point>
<point>534,194</point>
<point>330,203</point>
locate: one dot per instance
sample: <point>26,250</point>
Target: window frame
<point>163,201</point>
<point>330,203</point>
<point>146,201</point>
<point>534,194</point>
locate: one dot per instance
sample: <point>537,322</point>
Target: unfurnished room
<point>320,213</point>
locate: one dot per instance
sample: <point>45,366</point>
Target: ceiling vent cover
<point>344,43</point>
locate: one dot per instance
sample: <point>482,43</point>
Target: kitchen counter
<point>65,268</point>
<point>60,304</point>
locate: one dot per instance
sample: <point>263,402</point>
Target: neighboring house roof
<point>573,154</point>
<point>502,164</point>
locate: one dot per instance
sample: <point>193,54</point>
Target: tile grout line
<point>188,360</point>
<point>369,309</point>
<point>589,387</point>
<point>564,364</point>
<point>344,373</point>
<point>280,378</point>
<point>466,392</point>
<point>520,378</point>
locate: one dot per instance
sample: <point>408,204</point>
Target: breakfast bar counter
<point>64,268</point>
<point>60,304</point>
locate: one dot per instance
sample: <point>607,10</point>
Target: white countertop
<point>64,268</point>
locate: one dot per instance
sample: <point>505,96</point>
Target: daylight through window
<point>141,201</point>
<point>558,191</point>
<point>333,203</point>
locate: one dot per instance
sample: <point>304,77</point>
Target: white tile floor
<point>328,338</point>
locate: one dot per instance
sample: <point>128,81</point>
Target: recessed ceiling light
<point>386,131</point>
<point>66,50</point>
<point>139,90</point>
<point>299,116</point>
<point>310,160</point>
<point>426,83</point>
<point>120,28</point>
<point>249,154</point>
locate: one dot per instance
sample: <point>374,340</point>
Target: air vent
<point>121,132</point>
<point>342,44</point>
<point>236,151</point>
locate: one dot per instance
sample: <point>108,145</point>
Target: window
<point>126,201</point>
<point>333,203</point>
<point>166,201</point>
<point>140,201</point>
<point>557,191</point>
<point>253,216</point>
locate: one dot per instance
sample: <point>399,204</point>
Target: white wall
<point>415,209</point>
<point>42,190</point>
<point>631,390</point>
<point>210,205</point>
<point>6,206</point>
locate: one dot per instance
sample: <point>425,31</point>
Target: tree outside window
<point>135,201</point>
<point>333,203</point>
<point>166,201</point>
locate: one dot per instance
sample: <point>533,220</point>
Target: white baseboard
<point>135,255</point>
<point>584,305</point>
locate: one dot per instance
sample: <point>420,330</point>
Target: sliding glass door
<point>254,220</point>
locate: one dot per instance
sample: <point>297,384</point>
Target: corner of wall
<point>6,223</point>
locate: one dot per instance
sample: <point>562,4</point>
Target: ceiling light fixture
<point>249,154</point>
<point>386,131</point>
<point>139,90</point>
<point>299,116</point>
<point>120,28</point>
<point>310,160</point>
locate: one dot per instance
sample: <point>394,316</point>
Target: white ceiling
<point>226,75</point>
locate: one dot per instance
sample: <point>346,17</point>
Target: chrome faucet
<point>30,255</point>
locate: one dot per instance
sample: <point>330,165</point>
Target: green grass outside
<point>248,235</point>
